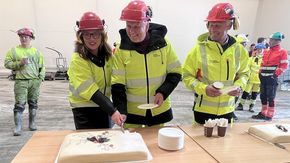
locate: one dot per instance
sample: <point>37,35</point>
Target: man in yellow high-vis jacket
<point>146,69</point>
<point>28,65</point>
<point>216,57</point>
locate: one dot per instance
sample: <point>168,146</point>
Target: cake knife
<point>122,127</point>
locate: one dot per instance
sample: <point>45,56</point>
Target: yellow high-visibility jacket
<point>255,64</point>
<point>85,78</point>
<point>142,74</point>
<point>33,70</point>
<point>207,63</point>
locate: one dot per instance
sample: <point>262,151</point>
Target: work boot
<point>251,108</point>
<point>259,116</point>
<point>18,123</point>
<point>32,115</point>
<point>240,107</point>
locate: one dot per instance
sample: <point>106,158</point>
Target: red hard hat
<point>25,31</point>
<point>221,12</point>
<point>89,21</point>
<point>136,11</point>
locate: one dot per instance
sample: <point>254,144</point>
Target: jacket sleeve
<point>243,72</point>
<point>171,81</point>
<point>118,91</point>
<point>283,65</point>
<point>173,76</point>
<point>119,97</point>
<point>191,73</point>
<point>41,67</point>
<point>82,78</point>
<point>104,102</point>
<point>11,62</point>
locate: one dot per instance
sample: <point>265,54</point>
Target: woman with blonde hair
<point>90,76</point>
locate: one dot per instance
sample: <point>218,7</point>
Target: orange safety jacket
<point>275,61</point>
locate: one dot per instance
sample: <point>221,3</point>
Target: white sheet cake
<point>274,133</point>
<point>103,146</point>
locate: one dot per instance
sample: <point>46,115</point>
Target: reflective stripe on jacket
<point>207,63</point>
<point>275,60</point>
<point>85,78</point>
<point>142,74</point>
<point>33,70</point>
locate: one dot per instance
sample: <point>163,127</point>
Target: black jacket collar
<point>156,34</point>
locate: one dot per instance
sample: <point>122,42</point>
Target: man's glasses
<point>94,35</point>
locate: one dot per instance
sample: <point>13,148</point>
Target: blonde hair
<point>103,49</point>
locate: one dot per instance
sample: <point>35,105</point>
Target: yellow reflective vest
<point>142,74</point>
<point>255,64</point>
<point>207,63</point>
<point>85,78</point>
<point>33,70</point>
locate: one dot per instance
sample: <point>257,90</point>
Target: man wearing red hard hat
<point>146,69</point>
<point>216,57</point>
<point>28,65</point>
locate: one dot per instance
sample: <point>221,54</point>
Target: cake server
<point>122,127</point>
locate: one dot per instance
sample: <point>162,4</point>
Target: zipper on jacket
<point>147,79</point>
<point>221,52</point>
<point>228,69</point>
<point>201,97</point>
<point>105,80</point>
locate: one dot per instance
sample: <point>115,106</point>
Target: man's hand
<point>24,61</point>
<point>212,92</point>
<point>158,99</point>
<point>118,118</point>
<point>235,92</point>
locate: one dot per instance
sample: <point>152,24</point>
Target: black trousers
<point>268,89</point>
<point>91,118</point>
<point>200,117</point>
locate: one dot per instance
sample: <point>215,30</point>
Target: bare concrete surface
<point>54,112</point>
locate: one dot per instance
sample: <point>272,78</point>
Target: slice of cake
<point>103,146</point>
<point>274,133</point>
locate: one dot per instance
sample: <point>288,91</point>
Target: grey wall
<point>273,16</point>
<point>54,21</point>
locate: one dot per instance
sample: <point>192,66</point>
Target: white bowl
<point>170,138</point>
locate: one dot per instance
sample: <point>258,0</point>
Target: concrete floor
<point>54,112</point>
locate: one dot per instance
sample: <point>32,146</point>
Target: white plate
<point>170,138</point>
<point>147,106</point>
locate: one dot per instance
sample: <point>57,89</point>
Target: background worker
<point>90,76</point>
<point>216,56</point>
<point>146,69</point>
<point>252,49</point>
<point>274,63</point>
<point>28,64</point>
<point>253,85</point>
<point>243,39</point>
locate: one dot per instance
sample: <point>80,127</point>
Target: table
<point>44,145</point>
<point>238,145</point>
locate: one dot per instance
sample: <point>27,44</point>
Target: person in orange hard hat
<point>28,64</point>
<point>216,57</point>
<point>146,69</point>
<point>274,63</point>
<point>90,76</point>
